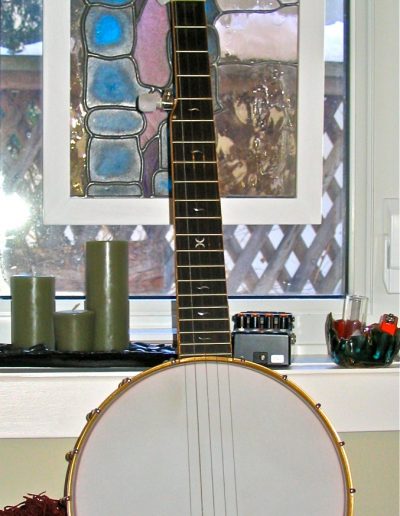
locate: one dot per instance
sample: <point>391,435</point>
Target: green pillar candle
<point>32,309</point>
<point>107,293</point>
<point>74,330</point>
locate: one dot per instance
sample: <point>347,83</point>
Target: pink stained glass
<point>150,50</point>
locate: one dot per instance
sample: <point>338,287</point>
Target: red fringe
<point>36,505</point>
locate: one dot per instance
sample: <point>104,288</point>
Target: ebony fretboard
<point>203,318</point>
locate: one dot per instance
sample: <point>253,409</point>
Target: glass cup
<point>354,315</point>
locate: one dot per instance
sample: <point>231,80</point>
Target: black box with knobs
<point>263,337</point>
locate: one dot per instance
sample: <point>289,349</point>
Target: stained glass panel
<point>122,49</point>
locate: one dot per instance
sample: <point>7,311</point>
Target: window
<point>275,261</point>
<point>261,260</point>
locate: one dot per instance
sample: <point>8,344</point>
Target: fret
<point>184,152</point>
<point>197,234</point>
<point>217,325</point>
<point>190,288</point>
<point>183,130</point>
<point>198,266</point>
<point>204,338</point>
<point>194,258</point>
<point>198,161</point>
<point>201,302</point>
<point>199,250</point>
<point>196,170</point>
<point>197,295</point>
<point>196,217</point>
<point>199,190</point>
<point>207,349</point>
<point>189,40</point>
<point>212,244</point>
<point>189,13</point>
<point>191,121</point>
<point>208,312</point>
<point>194,86</point>
<point>190,110</point>
<point>183,281</point>
<point>189,62</point>
<point>199,209</point>
<point>199,227</point>
<point>216,339</point>
<point>225,319</point>
<point>199,243</point>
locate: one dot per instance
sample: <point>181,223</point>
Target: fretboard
<point>203,317</point>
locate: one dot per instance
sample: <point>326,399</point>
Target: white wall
<point>37,465</point>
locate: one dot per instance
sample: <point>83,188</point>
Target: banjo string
<point>221,438</point>
<point>198,439</point>
<point>233,440</point>
<point>209,438</point>
<point>174,15</point>
<point>188,445</point>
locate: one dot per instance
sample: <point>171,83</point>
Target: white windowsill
<point>47,403</point>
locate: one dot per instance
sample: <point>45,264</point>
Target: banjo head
<point>208,436</point>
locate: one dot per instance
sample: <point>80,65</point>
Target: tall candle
<point>74,330</point>
<point>107,293</point>
<point>32,309</point>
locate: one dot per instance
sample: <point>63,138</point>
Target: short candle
<point>74,330</point>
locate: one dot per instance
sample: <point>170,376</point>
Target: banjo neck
<point>202,307</point>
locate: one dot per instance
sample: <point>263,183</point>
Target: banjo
<point>207,434</point>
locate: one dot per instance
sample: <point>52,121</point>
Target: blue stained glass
<point>107,30</point>
<point>112,82</point>
<point>211,11</point>
<point>162,186</point>
<point>112,190</point>
<point>110,2</point>
<point>115,122</point>
<point>213,44</point>
<point>112,159</point>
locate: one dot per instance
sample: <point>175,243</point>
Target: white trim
<point>54,404</point>
<point>60,208</point>
<point>374,146</point>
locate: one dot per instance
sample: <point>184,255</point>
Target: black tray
<point>137,355</point>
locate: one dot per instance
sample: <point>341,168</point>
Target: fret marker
<point>198,209</point>
<point>203,287</point>
<point>197,152</point>
<point>199,337</point>
<point>202,314</point>
<point>200,243</point>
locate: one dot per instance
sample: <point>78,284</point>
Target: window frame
<point>60,208</point>
<point>374,172</point>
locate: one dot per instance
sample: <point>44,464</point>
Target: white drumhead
<point>206,437</point>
